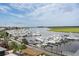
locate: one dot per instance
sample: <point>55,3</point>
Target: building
<point>2,51</point>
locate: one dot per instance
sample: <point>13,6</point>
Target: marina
<point>51,41</point>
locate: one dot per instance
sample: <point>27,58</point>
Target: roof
<point>32,52</point>
<point>2,49</point>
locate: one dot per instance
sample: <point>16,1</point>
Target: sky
<point>39,14</point>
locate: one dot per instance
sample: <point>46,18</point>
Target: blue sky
<point>39,14</point>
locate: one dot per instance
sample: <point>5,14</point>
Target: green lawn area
<point>65,29</point>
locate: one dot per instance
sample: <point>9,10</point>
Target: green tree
<point>17,47</point>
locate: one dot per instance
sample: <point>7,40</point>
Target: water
<point>70,46</point>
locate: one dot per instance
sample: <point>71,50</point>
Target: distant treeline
<point>41,27</point>
<point>64,27</point>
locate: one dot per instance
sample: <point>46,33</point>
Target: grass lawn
<point>65,29</point>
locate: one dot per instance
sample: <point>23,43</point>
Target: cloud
<point>27,8</point>
<point>17,15</point>
<point>57,15</point>
<point>20,10</point>
<point>55,11</point>
<point>30,7</point>
<point>4,9</point>
<point>43,14</point>
<point>54,8</point>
